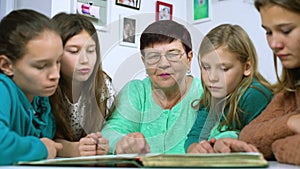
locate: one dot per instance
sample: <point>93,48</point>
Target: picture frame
<point>134,4</point>
<point>97,11</point>
<point>199,11</point>
<point>128,31</point>
<point>164,11</point>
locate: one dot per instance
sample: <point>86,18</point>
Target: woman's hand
<point>93,144</point>
<point>203,146</point>
<point>227,145</point>
<point>52,147</point>
<point>133,143</point>
<point>293,123</point>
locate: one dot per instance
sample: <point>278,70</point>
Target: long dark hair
<point>18,28</point>
<point>94,88</point>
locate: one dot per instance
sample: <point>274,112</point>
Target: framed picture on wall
<point>199,11</point>
<point>135,4</point>
<point>164,11</point>
<point>97,11</point>
<point>128,28</point>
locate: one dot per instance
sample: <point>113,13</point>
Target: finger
<point>130,143</point>
<point>87,141</point>
<point>122,146</point>
<point>213,141</point>
<point>250,148</point>
<point>253,148</point>
<point>205,147</point>
<point>103,144</point>
<point>98,134</point>
<point>102,149</point>
<point>243,147</point>
<point>58,146</point>
<point>222,147</point>
<point>240,146</point>
<point>143,146</point>
<point>118,149</point>
<point>87,148</point>
<point>137,135</point>
<point>87,153</point>
<point>200,149</point>
<point>103,141</point>
<point>93,136</point>
<point>147,148</point>
<point>140,145</point>
<point>101,152</point>
<point>134,145</point>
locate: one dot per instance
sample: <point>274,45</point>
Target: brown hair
<point>289,78</point>
<point>18,28</point>
<point>94,88</point>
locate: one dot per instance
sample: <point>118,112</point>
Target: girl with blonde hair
<point>234,91</point>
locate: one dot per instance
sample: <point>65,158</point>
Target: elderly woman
<point>155,114</point>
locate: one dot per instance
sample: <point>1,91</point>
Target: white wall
<point>47,7</point>
<point>5,7</point>
<point>123,63</point>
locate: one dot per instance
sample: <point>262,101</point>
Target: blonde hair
<point>235,40</point>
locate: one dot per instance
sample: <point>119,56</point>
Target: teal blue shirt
<point>253,102</point>
<point>22,124</point>
<point>164,129</point>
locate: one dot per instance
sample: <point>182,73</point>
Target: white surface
<point>272,165</point>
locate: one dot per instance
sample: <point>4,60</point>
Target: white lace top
<point>76,117</point>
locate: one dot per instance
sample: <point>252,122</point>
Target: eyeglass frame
<point>178,56</point>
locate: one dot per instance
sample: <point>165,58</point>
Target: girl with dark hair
<point>30,53</point>
<point>84,97</point>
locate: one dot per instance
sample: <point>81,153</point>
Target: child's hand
<point>227,145</point>
<point>133,143</point>
<point>102,146</point>
<point>93,144</point>
<point>52,147</point>
<point>203,147</point>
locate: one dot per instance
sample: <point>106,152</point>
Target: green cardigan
<point>22,124</point>
<point>253,102</point>
<point>165,130</point>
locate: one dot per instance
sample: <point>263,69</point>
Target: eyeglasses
<point>171,55</point>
